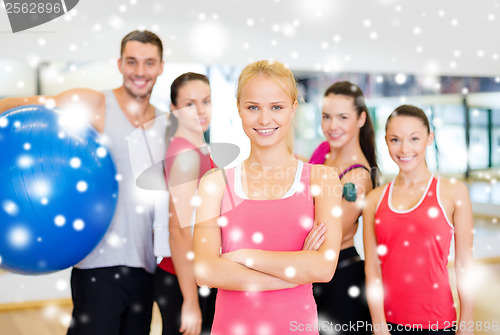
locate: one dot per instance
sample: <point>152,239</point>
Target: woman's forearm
<point>375,298</point>
<point>299,267</point>
<point>464,269</point>
<point>181,248</point>
<point>228,275</point>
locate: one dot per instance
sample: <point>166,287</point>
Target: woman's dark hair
<point>412,111</point>
<point>367,132</point>
<point>178,82</point>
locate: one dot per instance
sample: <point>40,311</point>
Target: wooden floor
<point>53,320</point>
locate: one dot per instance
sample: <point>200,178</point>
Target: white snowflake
<point>101,152</point>
<point>337,211</point>
<point>24,161</point>
<point>4,122</point>
<point>433,212</point>
<point>249,262</point>
<point>236,235</point>
<point>195,201</point>
<point>61,285</point>
<point>222,221</point>
<point>204,291</point>
<point>353,291</point>
<point>50,312</point>
<point>382,249</point>
<point>315,190</point>
<point>290,272</point>
<point>65,320</point>
<point>19,237</point>
<point>59,220</point>
<point>82,186</point>
<point>114,240</point>
<point>375,291</point>
<point>400,78</point>
<point>78,224</point>
<point>264,329</point>
<point>306,222</point>
<point>330,254</point>
<point>257,237</point>
<point>75,162</point>
<point>10,207</point>
<point>300,187</point>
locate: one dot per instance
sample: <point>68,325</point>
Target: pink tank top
<point>413,247</point>
<point>178,145</point>
<point>278,225</point>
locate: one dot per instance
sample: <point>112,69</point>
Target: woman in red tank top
<point>274,242</point>
<point>187,159</point>
<point>408,227</point>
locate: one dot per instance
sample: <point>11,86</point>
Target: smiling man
<point>112,287</point>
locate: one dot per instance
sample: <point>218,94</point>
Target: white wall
<point>17,78</point>
<point>16,288</point>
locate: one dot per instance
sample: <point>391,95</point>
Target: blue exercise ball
<point>58,190</point>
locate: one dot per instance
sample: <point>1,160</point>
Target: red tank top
<point>178,145</point>
<point>413,248</point>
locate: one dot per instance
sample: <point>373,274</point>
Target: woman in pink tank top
<point>408,227</point>
<point>269,228</point>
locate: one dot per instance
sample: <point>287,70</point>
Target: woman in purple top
<point>350,149</point>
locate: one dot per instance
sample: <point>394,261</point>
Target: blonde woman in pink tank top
<point>408,227</point>
<point>269,228</point>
